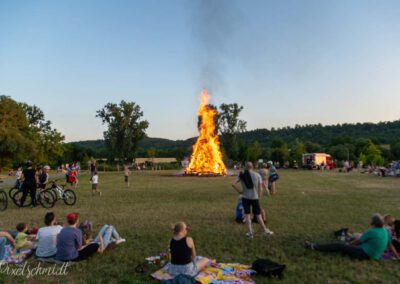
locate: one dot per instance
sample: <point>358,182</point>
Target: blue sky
<point>286,62</point>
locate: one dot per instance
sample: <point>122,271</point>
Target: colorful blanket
<point>215,273</point>
<point>12,257</point>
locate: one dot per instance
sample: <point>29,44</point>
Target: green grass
<point>309,205</point>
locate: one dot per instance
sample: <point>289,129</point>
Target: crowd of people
<point>68,241</point>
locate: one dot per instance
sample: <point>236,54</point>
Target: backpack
<point>42,178</point>
<point>268,268</point>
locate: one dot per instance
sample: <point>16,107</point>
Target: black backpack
<point>268,268</point>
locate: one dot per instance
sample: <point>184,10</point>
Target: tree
<point>395,150</point>
<point>298,149</point>
<point>371,155</point>
<point>229,126</point>
<point>253,153</point>
<point>125,128</point>
<point>48,141</point>
<point>15,142</point>
<point>280,154</point>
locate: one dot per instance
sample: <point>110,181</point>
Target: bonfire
<point>206,158</point>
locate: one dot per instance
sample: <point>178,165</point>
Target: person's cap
<point>46,167</point>
<point>28,163</point>
<point>72,217</point>
<point>269,162</point>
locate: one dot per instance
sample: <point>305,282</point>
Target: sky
<point>286,62</point>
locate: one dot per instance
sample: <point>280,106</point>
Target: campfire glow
<point>206,158</point>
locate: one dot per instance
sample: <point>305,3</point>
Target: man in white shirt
<point>47,237</point>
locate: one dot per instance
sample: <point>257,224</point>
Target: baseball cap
<point>72,217</point>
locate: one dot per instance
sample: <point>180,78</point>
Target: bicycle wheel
<point>3,200</point>
<point>46,199</point>
<point>12,191</point>
<point>17,198</point>
<point>69,197</point>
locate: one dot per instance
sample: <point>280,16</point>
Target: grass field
<point>309,205</point>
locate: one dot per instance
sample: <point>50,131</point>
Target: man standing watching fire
<point>251,190</point>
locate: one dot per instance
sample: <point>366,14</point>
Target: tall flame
<point>206,158</point>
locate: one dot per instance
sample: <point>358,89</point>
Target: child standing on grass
<point>95,181</point>
<point>239,211</point>
<point>127,173</point>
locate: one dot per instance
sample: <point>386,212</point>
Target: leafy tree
<point>48,141</point>
<point>253,153</point>
<point>125,128</point>
<point>298,150</point>
<point>395,150</point>
<point>15,141</point>
<point>229,126</point>
<point>280,154</point>
<point>371,154</point>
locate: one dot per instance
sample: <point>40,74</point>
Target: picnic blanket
<point>15,257</point>
<point>215,273</point>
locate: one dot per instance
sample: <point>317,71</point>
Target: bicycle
<point>58,192</point>
<point>44,198</point>
<point>3,199</point>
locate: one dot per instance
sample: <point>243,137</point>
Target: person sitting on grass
<point>396,235</point>
<point>23,240</point>
<point>107,235</point>
<point>183,253</point>
<point>5,238</point>
<point>47,237</point>
<point>371,245</point>
<point>69,243</point>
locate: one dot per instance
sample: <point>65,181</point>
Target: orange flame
<point>206,158</point>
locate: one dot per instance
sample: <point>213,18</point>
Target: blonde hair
<point>178,227</point>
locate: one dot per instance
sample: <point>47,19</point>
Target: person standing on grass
<point>127,173</point>
<point>92,168</point>
<point>272,177</point>
<point>251,191</point>
<point>183,253</point>
<point>95,181</point>
<point>29,184</point>
<point>264,177</point>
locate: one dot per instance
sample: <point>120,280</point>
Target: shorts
<point>94,186</point>
<point>187,269</point>
<point>126,178</point>
<point>251,203</point>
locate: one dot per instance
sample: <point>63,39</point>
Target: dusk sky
<point>286,62</point>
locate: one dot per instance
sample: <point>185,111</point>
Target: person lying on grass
<point>107,235</point>
<point>371,245</point>
<point>183,253</point>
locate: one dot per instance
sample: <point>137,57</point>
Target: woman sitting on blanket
<point>108,234</point>
<point>183,253</point>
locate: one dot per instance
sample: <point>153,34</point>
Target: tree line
<point>26,134</point>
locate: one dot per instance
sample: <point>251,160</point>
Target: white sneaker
<point>249,235</point>
<point>268,232</point>
<point>120,241</point>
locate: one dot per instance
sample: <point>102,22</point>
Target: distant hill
<point>380,133</point>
